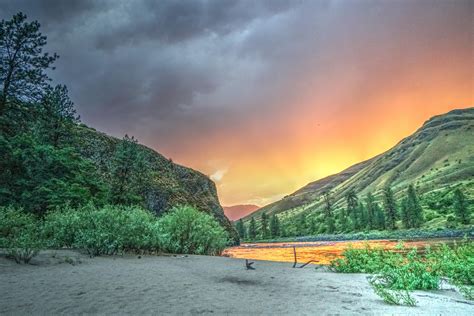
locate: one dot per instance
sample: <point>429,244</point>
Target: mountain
<point>438,155</point>
<point>236,212</point>
<point>172,184</point>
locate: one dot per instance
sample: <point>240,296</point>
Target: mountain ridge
<point>424,155</point>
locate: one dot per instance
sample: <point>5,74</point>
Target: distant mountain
<point>236,212</point>
<point>438,155</point>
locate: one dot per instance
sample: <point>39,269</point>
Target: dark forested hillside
<point>49,159</point>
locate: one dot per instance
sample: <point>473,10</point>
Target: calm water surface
<point>323,252</point>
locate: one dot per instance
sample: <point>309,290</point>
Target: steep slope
<point>439,154</point>
<point>236,212</point>
<point>172,185</point>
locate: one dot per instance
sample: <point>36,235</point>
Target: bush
<point>366,260</point>
<point>398,273</point>
<point>186,230</point>
<point>20,234</point>
<point>108,230</point>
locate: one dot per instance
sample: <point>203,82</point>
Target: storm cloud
<point>188,76</point>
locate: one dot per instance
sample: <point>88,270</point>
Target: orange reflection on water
<point>322,252</point>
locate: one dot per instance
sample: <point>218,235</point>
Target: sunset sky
<point>262,96</point>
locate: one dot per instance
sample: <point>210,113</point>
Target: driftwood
<point>248,265</point>
<point>295,262</point>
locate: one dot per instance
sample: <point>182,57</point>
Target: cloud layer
<point>283,91</point>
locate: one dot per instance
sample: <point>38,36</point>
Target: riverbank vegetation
<point>110,230</point>
<point>397,273</point>
<point>378,216</point>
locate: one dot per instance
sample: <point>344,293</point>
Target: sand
<point>195,285</point>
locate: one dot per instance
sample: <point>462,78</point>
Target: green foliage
<point>352,209</point>
<point>411,211</point>
<point>328,211</point>
<point>275,226</point>
<point>38,177</point>
<point>264,226</point>
<point>108,230</point>
<point>23,63</point>
<point>19,234</point>
<point>240,229</point>
<point>460,207</point>
<point>390,208</point>
<point>393,297</point>
<point>125,180</point>
<point>252,229</point>
<point>403,270</point>
<point>186,230</point>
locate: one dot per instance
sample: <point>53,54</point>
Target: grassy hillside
<point>435,159</point>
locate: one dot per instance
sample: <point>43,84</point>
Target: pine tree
<point>362,215</point>
<point>405,215</point>
<point>460,207</point>
<point>352,211</point>
<point>301,228</point>
<point>380,217</point>
<point>252,229</point>
<point>23,64</point>
<point>125,183</point>
<point>329,217</point>
<point>58,116</point>
<point>264,227</point>
<point>414,208</point>
<point>390,208</point>
<point>370,207</point>
<point>275,226</point>
<point>240,228</point>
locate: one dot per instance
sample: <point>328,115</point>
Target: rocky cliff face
<point>171,185</point>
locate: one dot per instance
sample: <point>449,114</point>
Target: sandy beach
<point>66,282</point>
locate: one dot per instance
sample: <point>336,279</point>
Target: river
<point>322,252</point>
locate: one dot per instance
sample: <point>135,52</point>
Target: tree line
<point>357,215</point>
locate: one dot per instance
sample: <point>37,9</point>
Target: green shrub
<point>61,227</point>
<point>113,229</point>
<point>20,234</point>
<point>108,230</point>
<point>366,260</point>
<point>186,230</point>
<point>394,297</point>
<point>404,270</point>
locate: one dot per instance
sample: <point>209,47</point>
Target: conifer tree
<point>252,233</point>
<point>370,207</point>
<point>274,226</point>
<point>328,210</point>
<point>362,215</point>
<point>23,64</point>
<point>301,228</point>
<point>264,227</point>
<point>405,215</point>
<point>125,183</point>
<point>352,209</point>
<point>415,211</point>
<point>390,208</point>
<point>460,207</point>
<point>380,217</point>
<point>239,226</point>
<point>58,116</point>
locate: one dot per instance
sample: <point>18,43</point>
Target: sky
<point>262,96</point>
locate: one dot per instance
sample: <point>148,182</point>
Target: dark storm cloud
<point>166,69</point>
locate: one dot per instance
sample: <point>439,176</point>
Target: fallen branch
<point>248,265</point>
